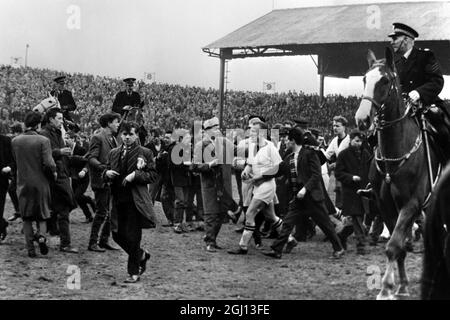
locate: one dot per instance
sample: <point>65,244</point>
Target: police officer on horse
<point>66,102</point>
<point>127,98</point>
<point>421,79</point>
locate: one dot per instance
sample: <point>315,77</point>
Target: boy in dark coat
<point>130,169</point>
<point>352,169</point>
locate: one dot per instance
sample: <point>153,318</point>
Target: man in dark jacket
<point>63,200</point>
<point>16,129</point>
<point>6,170</point>
<point>306,189</point>
<point>99,147</point>
<point>127,98</point>
<point>352,170</point>
<point>35,170</point>
<point>131,168</point>
<point>79,175</point>
<point>181,179</point>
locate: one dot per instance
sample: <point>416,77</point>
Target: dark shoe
<point>200,226</point>
<point>107,246</point>
<point>273,254</point>
<point>14,217</point>
<point>373,242</point>
<point>3,231</point>
<point>237,251</point>
<point>143,263</point>
<point>210,248</point>
<point>132,279</point>
<point>42,241</point>
<point>239,230</point>
<point>32,254</point>
<point>178,229</point>
<point>290,245</point>
<point>68,249</point>
<point>216,246</point>
<point>338,254</point>
<point>96,248</point>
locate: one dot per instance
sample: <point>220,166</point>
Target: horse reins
<point>382,124</point>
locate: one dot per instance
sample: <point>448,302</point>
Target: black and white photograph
<point>224,155</point>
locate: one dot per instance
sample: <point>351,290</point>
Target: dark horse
<point>399,171</point>
<point>436,260</point>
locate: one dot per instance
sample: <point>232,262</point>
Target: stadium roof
<point>339,35</point>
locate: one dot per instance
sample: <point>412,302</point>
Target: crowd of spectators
<point>166,105</point>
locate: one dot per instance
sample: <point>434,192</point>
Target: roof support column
<point>321,87</point>
<point>221,89</point>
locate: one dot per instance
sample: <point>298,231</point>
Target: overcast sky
<point>122,38</point>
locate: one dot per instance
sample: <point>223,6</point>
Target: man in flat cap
<point>420,77</point>
<point>127,98</point>
<point>212,159</point>
<point>65,99</point>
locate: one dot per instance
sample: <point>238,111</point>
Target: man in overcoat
<point>35,169</point>
<point>63,199</point>
<point>213,158</point>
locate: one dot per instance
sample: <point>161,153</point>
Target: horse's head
<point>378,82</point>
<point>47,103</point>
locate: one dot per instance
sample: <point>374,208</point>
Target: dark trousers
<point>3,223</point>
<point>237,175</point>
<point>181,204</point>
<point>167,201</point>
<point>195,191</point>
<point>314,209</point>
<point>129,235</point>
<point>213,223</point>
<point>102,219</point>
<point>338,192</point>
<point>62,217</point>
<point>79,187</point>
<point>12,191</point>
<point>354,224</point>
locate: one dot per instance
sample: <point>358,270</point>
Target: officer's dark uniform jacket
<point>421,72</point>
<point>68,105</point>
<point>124,99</point>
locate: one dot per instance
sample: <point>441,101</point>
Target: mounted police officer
<point>66,102</point>
<point>126,98</point>
<point>421,79</point>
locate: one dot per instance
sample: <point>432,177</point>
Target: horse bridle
<point>381,124</point>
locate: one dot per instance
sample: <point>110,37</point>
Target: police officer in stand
<point>127,98</point>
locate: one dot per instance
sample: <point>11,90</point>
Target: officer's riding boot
<point>441,123</point>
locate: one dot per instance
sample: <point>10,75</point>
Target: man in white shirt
<point>340,142</point>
